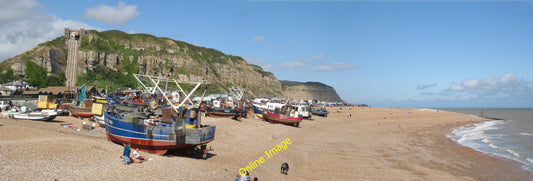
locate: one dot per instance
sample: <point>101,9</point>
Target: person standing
<point>126,154</point>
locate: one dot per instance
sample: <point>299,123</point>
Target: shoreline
<point>506,162</point>
<point>374,144</point>
<point>493,111</point>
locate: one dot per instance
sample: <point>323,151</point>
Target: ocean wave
<point>530,160</point>
<point>465,135</point>
<point>526,134</point>
<point>505,149</point>
<point>512,152</point>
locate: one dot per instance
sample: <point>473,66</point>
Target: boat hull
<point>222,112</point>
<point>100,120</point>
<point>258,111</point>
<point>271,117</point>
<point>156,139</point>
<point>38,116</point>
<point>80,112</point>
<point>320,113</point>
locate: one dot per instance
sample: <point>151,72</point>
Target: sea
<point>508,135</point>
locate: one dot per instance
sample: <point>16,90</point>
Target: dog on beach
<point>285,168</point>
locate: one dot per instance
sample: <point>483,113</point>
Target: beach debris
<point>66,125</point>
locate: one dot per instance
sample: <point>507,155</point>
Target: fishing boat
<point>261,105</point>
<point>98,108</point>
<point>43,115</point>
<point>100,120</point>
<point>179,127</point>
<point>287,114</point>
<point>224,111</point>
<point>231,105</point>
<point>258,110</point>
<point>83,112</point>
<point>303,111</point>
<point>279,118</point>
<point>320,111</point>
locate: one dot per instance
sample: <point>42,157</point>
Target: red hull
<point>281,119</point>
<point>216,114</point>
<point>81,115</point>
<point>80,112</point>
<point>152,146</point>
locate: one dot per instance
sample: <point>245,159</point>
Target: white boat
<point>100,120</point>
<point>265,106</point>
<point>303,111</point>
<point>44,115</point>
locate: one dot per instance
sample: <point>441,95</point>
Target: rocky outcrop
<point>50,58</point>
<point>309,91</point>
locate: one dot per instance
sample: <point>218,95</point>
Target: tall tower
<point>72,40</point>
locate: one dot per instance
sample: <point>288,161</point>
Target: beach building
<point>4,91</point>
<point>17,85</point>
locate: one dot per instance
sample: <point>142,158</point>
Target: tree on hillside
<point>8,76</point>
<point>35,75</point>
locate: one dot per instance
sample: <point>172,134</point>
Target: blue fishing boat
<point>258,110</point>
<point>320,111</point>
<point>179,127</point>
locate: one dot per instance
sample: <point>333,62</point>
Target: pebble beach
<point>371,144</point>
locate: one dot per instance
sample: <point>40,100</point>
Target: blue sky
<point>382,53</point>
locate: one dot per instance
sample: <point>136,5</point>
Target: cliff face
<point>309,91</point>
<point>149,55</point>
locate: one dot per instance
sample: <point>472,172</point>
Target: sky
<point>381,53</point>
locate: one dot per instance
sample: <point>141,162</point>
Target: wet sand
<point>374,144</point>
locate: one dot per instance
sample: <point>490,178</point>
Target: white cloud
<point>309,63</point>
<point>294,43</point>
<point>257,61</point>
<point>508,85</point>
<point>305,59</point>
<point>319,57</point>
<point>24,24</point>
<point>258,39</point>
<point>134,31</point>
<point>293,64</point>
<point>298,63</point>
<point>456,87</point>
<point>426,86</point>
<point>13,10</point>
<point>313,63</point>
<point>116,16</point>
<point>334,66</point>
